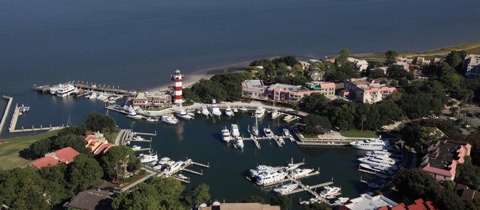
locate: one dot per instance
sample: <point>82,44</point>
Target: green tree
<point>283,201</point>
<point>201,193</point>
<point>70,140</point>
<point>117,156</point>
<point>39,148</point>
<point>318,206</point>
<point>314,124</point>
<point>313,103</point>
<point>254,199</point>
<point>343,56</point>
<point>391,56</point>
<point>84,173</point>
<point>99,122</point>
<point>72,130</point>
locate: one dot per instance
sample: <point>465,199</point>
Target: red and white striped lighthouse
<point>177,78</point>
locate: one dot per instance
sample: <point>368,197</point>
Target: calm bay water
<point>135,44</point>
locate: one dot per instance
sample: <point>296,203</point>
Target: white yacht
<point>276,114</point>
<point>65,90</point>
<point>139,138</point>
<point>235,110</point>
<point>260,112</point>
<point>228,111</point>
<point>280,139</point>
<point>377,160</point>
<point>169,119</point>
<point>235,131</point>
<point>183,114</point>
<point>268,132</point>
<point>205,111</point>
<point>133,114</point>
<point>286,188</point>
<point>379,152</point>
<point>173,167</point>
<point>286,134</point>
<point>243,109</point>
<point>262,169</point>
<point>330,192</point>
<point>369,144</point>
<point>300,172</point>
<point>238,144</point>
<point>136,148</point>
<point>214,109</point>
<point>268,178</point>
<point>53,89</point>
<point>341,200</point>
<point>148,158</point>
<point>226,135</point>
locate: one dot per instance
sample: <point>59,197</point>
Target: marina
<point>13,123</point>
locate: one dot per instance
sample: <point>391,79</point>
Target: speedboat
<point>138,138</point>
<point>238,143</point>
<point>182,114</point>
<point>163,160</point>
<point>388,161</point>
<point>341,200</point>
<point>228,111</point>
<point>275,114</point>
<point>369,144</point>
<point>379,152</point>
<point>214,109</point>
<point>152,119</point>
<point>280,139</point>
<point>330,192</point>
<point>300,172</point>
<point>226,135</point>
<point>205,111</point>
<point>243,109</point>
<point>268,132</point>
<point>260,112</point>
<point>286,134</point>
<point>65,90</point>
<point>54,89</point>
<point>136,148</point>
<point>169,119</point>
<point>235,110</point>
<point>235,131</point>
<point>286,188</point>
<point>93,95</point>
<point>255,131</point>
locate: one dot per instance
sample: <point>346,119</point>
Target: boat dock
<point>145,134</point>
<point>13,124</point>
<point>309,187</point>
<point>186,164</point>
<point>254,139</point>
<point>142,149</point>
<point>116,110</point>
<point>5,113</point>
<point>90,86</point>
<point>332,138</point>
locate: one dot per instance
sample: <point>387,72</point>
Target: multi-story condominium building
<point>367,90</point>
<point>471,64</point>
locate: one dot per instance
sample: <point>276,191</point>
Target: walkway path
<point>151,173</point>
<point>5,113</point>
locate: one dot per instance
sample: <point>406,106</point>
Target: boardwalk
<point>5,113</point>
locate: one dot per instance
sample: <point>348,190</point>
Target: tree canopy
<point>115,158</point>
<point>100,122</point>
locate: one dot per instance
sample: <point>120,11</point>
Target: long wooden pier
<point>5,113</point>
<point>90,86</point>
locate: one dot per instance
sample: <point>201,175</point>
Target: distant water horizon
<point>137,45</point>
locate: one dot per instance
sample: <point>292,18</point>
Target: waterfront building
<point>255,89</point>
<point>65,155</point>
<point>148,100</point>
<point>471,64</point>
<point>360,65</point>
<point>367,90</point>
<point>443,156</point>
<point>177,78</point>
<point>96,142</point>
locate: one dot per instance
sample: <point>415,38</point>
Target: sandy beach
<point>192,78</point>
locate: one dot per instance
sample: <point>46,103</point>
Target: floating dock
<point>13,124</point>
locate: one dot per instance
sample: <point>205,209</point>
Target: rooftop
<point>254,85</point>
<point>284,87</point>
<point>366,201</point>
<point>444,154</point>
<point>66,154</point>
<point>44,162</point>
<point>91,199</point>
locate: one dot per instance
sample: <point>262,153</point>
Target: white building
<point>471,64</point>
<point>360,65</point>
<point>368,202</point>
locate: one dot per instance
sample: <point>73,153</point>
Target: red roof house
<point>44,162</point>
<point>66,154</point>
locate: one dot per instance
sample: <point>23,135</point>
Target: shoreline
<point>207,73</point>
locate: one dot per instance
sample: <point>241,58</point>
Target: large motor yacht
<point>369,144</point>
<point>65,90</point>
<point>215,110</point>
<point>226,135</point>
<point>260,112</point>
<point>169,119</point>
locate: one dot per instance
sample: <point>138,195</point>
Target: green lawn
<point>358,133</point>
<point>10,148</point>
